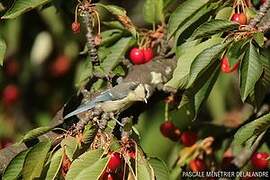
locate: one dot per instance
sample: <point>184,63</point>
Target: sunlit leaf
<point>55,165</point>
<point>254,128</point>
<point>3,48</point>
<point>110,36</point>
<point>70,144</point>
<point>160,169</point>
<point>118,51</point>
<point>144,170</point>
<point>35,160</point>
<point>15,166</point>
<point>182,13</point>
<point>22,6</point>
<point>250,72</point>
<point>89,133</point>
<point>204,59</point>
<point>83,72</point>
<point>259,38</point>
<point>36,133</point>
<point>84,161</point>
<point>153,11</point>
<point>224,13</point>
<point>212,27</point>
<point>121,15</point>
<point>94,171</point>
<point>188,53</point>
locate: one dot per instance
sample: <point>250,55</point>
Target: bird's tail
<point>81,108</point>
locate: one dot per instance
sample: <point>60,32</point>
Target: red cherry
<point>76,27</point>
<point>260,160</point>
<point>136,55</point>
<point>115,161</point>
<point>60,66</point>
<point>239,18</point>
<point>225,66</point>
<point>11,94</point>
<point>148,54</point>
<point>167,128</point>
<point>197,165</point>
<point>188,138</point>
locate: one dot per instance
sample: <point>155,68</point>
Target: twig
<point>92,50</point>
<point>261,13</point>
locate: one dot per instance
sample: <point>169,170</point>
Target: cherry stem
<point>98,21</point>
<point>166,111</point>
<point>76,13</point>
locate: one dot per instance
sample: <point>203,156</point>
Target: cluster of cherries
<point>187,138</point>
<point>240,18</point>
<point>169,130</point>
<point>141,55</point>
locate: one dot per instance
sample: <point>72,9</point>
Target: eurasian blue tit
<point>116,98</point>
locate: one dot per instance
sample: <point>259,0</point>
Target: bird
<point>116,98</point>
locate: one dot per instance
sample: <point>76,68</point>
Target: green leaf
<point>22,6</point>
<point>118,50</point>
<point>110,36</point>
<point>94,171</point>
<point>35,160</point>
<point>183,12</point>
<point>144,170</point>
<point>114,25</point>
<point>82,162</point>
<point>160,169</point>
<point>194,97</point>
<point>84,72</point>
<point>203,60</point>
<point>15,166</point>
<point>188,53</point>
<point>153,11</point>
<point>121,15</point>
<point>55,165</point>
<point>3,48</point>
<point>70,144</point>
<point>254,128</point>
<point>250,72</point>
<point>263,84</point>
<point>235,52</point>
<point>259,38</point>
<point>36,133</point>
<point>213,27</point>
<point>194,21</point>
<point>224,13</point>
<point>206,87</point>
<point>89,133</point>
